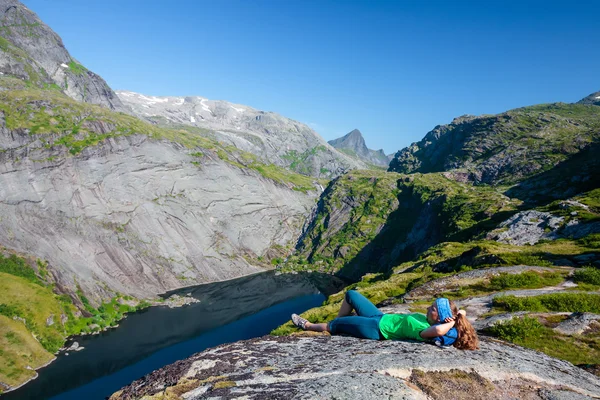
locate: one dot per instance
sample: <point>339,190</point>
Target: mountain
<point>101,211</point>
<point>36,55</point>
<point>119,205</point>
<point>354,144</point>
<point>593,99</point>
<point>504,148</point>
<point>270,136</point>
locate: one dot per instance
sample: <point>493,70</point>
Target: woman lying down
<point>443,325</point>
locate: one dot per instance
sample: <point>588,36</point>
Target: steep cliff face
<point>369,221</point>
<point>354,144</point>
<point>114,208</point>
<point>270,136</point>
<point>34,53</point>
<point>504,148</point>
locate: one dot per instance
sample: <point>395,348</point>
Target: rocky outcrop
<point>268,135</point>
<point>526,227</point>
<point>349,368</point>
<point>529,227</point>
<point>353,143</point>
<point>578,323</point>
<point>503,148</point>
<point>33,52</point>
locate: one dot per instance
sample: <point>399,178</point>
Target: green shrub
<point>518,329</point>
<point>592,241</point>
<point>524,259</point>
<point>18,266</point>
<point>587,275</point>
<point>9,310</point>
<point>528,279</point>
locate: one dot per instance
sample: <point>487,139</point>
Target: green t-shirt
<point>403,326</point>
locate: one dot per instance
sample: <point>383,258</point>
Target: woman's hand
<point>450,319</point>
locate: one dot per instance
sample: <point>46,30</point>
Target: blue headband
<point>443,308</point>
<point>444,311</point>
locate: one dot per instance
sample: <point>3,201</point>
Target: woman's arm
<point>437,330</point>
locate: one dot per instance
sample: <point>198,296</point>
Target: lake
<point>228,311</point>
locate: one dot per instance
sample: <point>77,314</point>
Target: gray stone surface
<point>529,227</point>
<point>134,215</point>
<point>526,227</point>
<point>270,136</point>
<point>323,367</point>
<point>37,53</point>
<point>578,323</point>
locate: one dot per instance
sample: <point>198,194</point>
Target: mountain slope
<point>270,136</point>
<point>34,53</point>
<point>354,144</point>
<point>504,148</point>
<point>118,205</point>
<point>369,221</point>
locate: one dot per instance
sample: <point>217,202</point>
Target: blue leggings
<point>365,325</point>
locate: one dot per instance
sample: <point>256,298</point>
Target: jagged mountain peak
<point>593,99</point>
<point>354,140</point>
<point>354,143</point>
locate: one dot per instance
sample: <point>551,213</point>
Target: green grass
<point>591,199</point>
<point>563,302</point>
<point>76,68</point>
<point>19,349</point>
<point>529,332</point>
<point>505,281</point>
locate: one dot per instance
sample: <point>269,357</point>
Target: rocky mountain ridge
<point>268,135</point>
<point>506,148</point>
<point>35,54</point>
<point>354,144</point>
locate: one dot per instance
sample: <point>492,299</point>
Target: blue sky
<point>393,69</point>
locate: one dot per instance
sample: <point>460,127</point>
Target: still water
<point>228,311</point>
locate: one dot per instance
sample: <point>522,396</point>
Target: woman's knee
<point>350,295</point>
